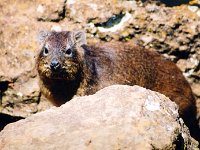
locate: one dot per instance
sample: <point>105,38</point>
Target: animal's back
<point>124,63</point>
<point>121,63</point>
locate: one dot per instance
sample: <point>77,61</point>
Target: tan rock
<point>94,10</point>
<point>196,89</point>
<point>51,10</point>
<point>117,117</point>
<point>174,30</point>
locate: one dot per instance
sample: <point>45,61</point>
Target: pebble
<point>193,8</point>
<point>198,13</point>
<point>56,28</point>
<point>40,9</point>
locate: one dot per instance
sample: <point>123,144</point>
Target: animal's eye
<point>68,52</point>
<point>45,51</point>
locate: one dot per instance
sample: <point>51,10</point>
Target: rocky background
<point>172,29</point>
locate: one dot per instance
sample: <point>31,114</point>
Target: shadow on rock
<point>6,119</point>
<point>175,3</point>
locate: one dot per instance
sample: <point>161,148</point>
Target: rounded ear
<point>79,37</point>
<point>42,36</point>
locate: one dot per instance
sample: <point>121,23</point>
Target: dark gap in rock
<point>30,100</point>
<point>3,88</point>
<point>169,3</point>
<point>175,2</point>
<point>62,14</point>
<point>91,20</point>
<point>107,38</point>
<point>39,98</point>
<point>176,26</point>
<point>198,67</point>
<point>164,51</point>
<point>9,104</point>
<point>196,77</point>
<point>179,143</point>
<point>115,19</point>
<point>126,38</point>
<point>195,37</point>
<point>180,54</point>
<point>50,20</point>
<point>198,5</point>
<point>6,119</point>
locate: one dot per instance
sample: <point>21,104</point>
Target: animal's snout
<point>55,65</point>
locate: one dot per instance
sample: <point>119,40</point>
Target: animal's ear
<point>79,37</point>
<point>42,36</point>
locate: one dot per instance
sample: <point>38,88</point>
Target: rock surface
<point>173,31</point>
<point>117,117</point>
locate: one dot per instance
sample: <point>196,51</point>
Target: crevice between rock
<point>6,119</point>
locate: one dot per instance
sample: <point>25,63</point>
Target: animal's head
<point>61,54</point>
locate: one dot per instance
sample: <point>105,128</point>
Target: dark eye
<point>69,52</point>
<point>45,51</point>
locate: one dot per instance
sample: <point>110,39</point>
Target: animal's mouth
<point>59,74</point>
<point>63,73</point>
<point>52,74</point>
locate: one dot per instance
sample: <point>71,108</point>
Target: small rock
<point>56,28</point>
<point>196,89</point>
<point>198,13</point>
<point>191,63</point>
<point>147,39</point>
<point>40,9</point>
<point>193,8</point>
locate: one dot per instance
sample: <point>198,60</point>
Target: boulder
<point>172,31</point>
<point>116,117</point>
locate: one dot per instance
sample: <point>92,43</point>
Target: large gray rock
<point>117,117</point>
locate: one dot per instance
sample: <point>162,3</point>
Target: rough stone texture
<point>19,90</point>
<point>85,11</point>
<point>51,10</point>
<point>172,31</point>
<point>117,117</point>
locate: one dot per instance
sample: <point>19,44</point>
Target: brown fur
<point>93,67</point>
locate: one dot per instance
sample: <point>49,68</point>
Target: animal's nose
<point>55,65</point>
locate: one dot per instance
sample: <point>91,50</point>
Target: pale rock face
<point>116,117</point>
<point>173,31</point>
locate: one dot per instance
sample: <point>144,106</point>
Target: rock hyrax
<point>67,66</point>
